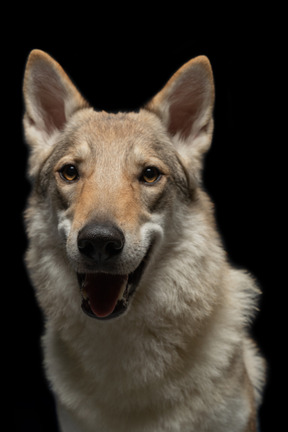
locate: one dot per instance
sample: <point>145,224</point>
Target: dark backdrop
<point>116,69</point>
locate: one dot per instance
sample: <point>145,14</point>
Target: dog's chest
<point>141,380</point>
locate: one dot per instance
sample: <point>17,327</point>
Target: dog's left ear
<point>185,106</point>
<point>50,99</point>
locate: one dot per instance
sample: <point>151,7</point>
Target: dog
<point>146,321</point>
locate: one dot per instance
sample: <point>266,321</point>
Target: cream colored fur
<point>180,358</point>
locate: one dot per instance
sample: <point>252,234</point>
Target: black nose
<point>100,242</point>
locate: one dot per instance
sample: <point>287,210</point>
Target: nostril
<point>85,246</point>
<point>114,247</point>
<point>100,242</point>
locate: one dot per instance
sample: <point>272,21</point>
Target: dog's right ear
<point>50,99</point>
<point>185,107</point>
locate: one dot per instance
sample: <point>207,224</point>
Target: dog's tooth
<point>123,288</point>
<point>84,294</point>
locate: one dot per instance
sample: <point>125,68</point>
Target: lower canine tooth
<point>123,288</point>
<point>84,294</point>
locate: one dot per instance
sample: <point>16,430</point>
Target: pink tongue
<point>103,291</point>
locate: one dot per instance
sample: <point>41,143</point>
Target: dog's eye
<point>69,173</point>
<point>150,175</point>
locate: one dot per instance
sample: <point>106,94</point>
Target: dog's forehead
<point>119,132</point>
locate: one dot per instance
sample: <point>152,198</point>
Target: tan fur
<point>179,358</point>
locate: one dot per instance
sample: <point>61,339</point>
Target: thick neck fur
<point>171,326</point>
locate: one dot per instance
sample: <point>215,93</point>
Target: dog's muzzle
<point>105,295</point>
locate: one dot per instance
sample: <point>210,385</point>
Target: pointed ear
<point>50,99</point>
<point>185,106</point>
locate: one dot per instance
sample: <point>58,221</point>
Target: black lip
<point>122,305</point>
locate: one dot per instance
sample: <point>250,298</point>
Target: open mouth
<point>106,296</point>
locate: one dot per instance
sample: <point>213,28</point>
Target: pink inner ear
<point>50,96</point>
<point>54,111</point>
<point>186,104</point>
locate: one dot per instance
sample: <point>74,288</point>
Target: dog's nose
<point>100,242</point>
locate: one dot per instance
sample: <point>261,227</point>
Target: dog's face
<point>112,193</point>
<point>113,181</point>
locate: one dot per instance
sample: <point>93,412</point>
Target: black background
<point>119,65</point>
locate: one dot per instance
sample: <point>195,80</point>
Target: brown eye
<point>150,175</point>
<point>69,173</point>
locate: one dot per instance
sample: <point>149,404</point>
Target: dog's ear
<point>50,99</point>
<point>185,106</point>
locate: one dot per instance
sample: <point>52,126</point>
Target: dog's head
<point>108,184</point>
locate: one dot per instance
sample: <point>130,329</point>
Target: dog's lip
<point>127,285</point>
